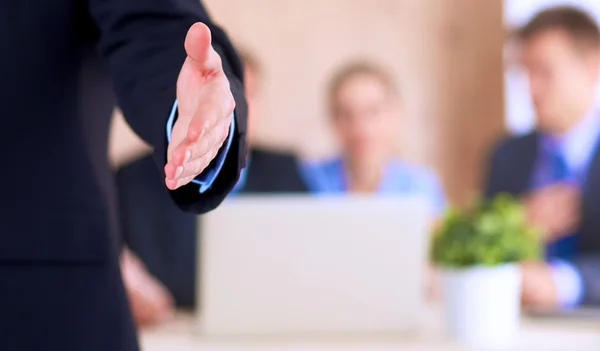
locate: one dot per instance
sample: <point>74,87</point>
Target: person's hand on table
<point>539,290</point>
<point>150,301</point>
<point>555,210</point>
<point>432,287</point>
<point>432,281</point>
<point>205,108</point>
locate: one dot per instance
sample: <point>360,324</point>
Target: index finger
<point>217,104</point>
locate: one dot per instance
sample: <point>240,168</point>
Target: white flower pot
<point>482,305</point>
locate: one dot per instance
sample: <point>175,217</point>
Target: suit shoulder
<point>514,144</point>
<point>271,156</point>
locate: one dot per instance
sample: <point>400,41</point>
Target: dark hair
<point>576,23</point>
<point>360,68</point>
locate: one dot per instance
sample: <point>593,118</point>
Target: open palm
<point>205,106</point>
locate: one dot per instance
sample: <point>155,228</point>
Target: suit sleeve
<point>568,282</point>
<point>492,176</point>
<point>589,268</point>
<point>143,42</point>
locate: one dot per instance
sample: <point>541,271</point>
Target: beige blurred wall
<point>446,56</point>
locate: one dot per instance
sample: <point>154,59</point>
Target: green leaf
<point>490,232</point>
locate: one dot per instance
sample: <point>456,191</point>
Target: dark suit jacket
<point>272,172</point>
<point>61,62</point>
<point>164,237</point>
<point>510,171</point>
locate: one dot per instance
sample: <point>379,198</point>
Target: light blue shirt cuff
<point>208,176</point>
<point>569,283</point>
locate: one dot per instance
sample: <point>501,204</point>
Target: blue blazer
<point>400,178</point>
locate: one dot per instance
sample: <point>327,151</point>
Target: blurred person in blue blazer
<point>556,168</point>
<point>364,112</point>
<point>259,175</point>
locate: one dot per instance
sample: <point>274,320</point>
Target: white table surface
<point>536,335</point>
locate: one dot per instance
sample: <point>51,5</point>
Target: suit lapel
<point>589,240</point>
<point>593,169</point>
<point>526,163</point>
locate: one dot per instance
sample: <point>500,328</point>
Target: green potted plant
<point>478,250</point>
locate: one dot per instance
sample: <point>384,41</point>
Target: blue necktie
<point>565,247</point>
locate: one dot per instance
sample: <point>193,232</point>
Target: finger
<point>183,154</point>
<point>212,139</point>
<point>186,157</point>
<point>187,151</point>
<point>173,184</point>
<point>180,155</point>
<point>197,166</point>
<point>178,136</point>
<point>173,171</point>
<point>199,49</point>
<point>217,105</point>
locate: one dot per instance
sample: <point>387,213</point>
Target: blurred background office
<point>160,238</point>
<point>383,96</point>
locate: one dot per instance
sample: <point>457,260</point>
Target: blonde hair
<point>359,68</point>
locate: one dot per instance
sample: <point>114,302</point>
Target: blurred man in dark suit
<point>556,169</point>
<point>164,238</point>
<point>267,171</point>
<point>61,286</point>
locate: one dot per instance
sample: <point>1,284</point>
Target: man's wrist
<point>568,283</point>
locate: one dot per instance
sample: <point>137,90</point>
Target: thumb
<point>198,46</point>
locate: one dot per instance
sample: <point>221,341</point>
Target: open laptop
<point>298,265</point>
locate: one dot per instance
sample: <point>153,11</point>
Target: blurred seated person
<point>163,237</point>
<point>267,171</point>
<point>364,112</point>
<point>556,169</point>
<point>149,299</point>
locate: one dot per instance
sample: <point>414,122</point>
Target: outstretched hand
<point>205,106</point>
